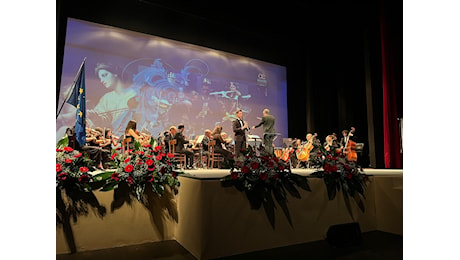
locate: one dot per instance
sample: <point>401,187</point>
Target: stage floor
<point>219,173</point>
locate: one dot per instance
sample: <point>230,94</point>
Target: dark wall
<point>321,45</point>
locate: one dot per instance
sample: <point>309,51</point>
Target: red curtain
<point>392,85</point>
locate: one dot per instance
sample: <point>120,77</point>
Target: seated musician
<point>218,148</point>
<point>316,144</point>
<point>180,146</point>
<point>93,140</point>
<point>205,142</point>
<point>131,134</point>
<point>228,142</point>
<point>296,144</point>
<point>331,143</point>
<point>163,139</point>
<point>72,140</point>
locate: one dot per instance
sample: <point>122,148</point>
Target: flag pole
<point>73,86</point>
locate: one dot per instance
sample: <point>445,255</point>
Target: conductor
<point>268,121</point>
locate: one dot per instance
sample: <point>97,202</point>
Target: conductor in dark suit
<point>268,121</point>
<point>239,126</point>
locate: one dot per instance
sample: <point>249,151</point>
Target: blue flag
<point>78,100</point>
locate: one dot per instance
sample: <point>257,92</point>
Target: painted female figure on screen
<point>116,107</point>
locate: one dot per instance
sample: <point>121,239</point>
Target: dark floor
<point>374,245</point>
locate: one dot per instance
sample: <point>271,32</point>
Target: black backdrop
<point>328,49</point>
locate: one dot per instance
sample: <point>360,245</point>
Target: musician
<point>206,139</point>
<point>239,128</point>
<point>131,134</point>
<point>348,144</point>
<point>110,141</point>
<point>93,140</point>
<point>180,146</point>
<point>296,144</point>
<point>228,141</point>
<point>163,139</point>
<point>268,122</point>
<point>345,135</point>
<point>220,143</point>
<point>70,132</point>
<point>331,144</point>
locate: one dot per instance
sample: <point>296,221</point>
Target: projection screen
<point>161,82</point>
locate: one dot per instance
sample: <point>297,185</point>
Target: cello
<point>350,147</point>
<point>303,151</point>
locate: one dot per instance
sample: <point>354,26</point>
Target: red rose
<point>77,155</point>
<point>58,167</point>
<point>62,176</point>
<point>151,169</point>
<point>113,156</point>
<point>270,164</point>
<point>83,178</point>
<point>170,155</point>
<point>163,170</point>
<point>149,155</point>
<point>68,161</point>
<point>149,162</point>
<point>254,165</point>
<point>58,150</point>
<point>157,149</point>
<point>234,175</point>
<point>263,176</point>
<point>140,162</point>
<point>151,178</point>
<point>174,174</point>
<point>334,168</point>
<point>245,169</point>
<point>127,160</point>
<point>130,180</point>
<point>327,168</point>
<point>349,175</point>
<point>68,149</point>
<point>275,176</point>
<point>280,167</point>
<point>159,157</point>
<point>129,168</point>
<point>84,169</point>
<point>115,176</point>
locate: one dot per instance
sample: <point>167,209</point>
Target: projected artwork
<point>161,82</point>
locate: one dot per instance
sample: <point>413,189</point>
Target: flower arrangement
<point>145,165</point>
<point>338,174</point>
<point>260,175</point>
<point>72,169</point>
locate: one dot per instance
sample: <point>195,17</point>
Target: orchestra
<point>298,152</point>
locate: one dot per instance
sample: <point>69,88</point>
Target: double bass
<point>350,147</point>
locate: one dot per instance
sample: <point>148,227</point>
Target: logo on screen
<point>261,80</point>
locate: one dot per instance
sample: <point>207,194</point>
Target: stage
<point>212,221</point>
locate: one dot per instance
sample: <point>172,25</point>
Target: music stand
<point>254,137</point>
<point>275,134</point>
<point>287,142</point>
